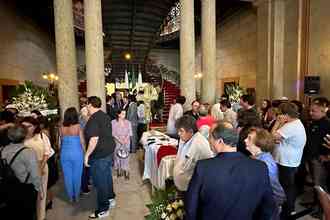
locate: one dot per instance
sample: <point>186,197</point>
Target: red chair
<point>164,151</point>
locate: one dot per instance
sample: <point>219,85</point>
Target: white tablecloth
<point>165,170</point>
<point>152,141</point>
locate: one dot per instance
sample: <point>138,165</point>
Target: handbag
<point>122,152</point>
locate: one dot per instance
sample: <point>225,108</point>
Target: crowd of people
<point>25,145</point>
<point>88,143</point>
<point>224,173</point>
<point>249,163</point>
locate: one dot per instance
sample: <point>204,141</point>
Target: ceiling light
<point>128,56</point>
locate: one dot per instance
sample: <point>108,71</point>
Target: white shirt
<point>141,114</point>
<point>290,149</point>
<point>176,111</point>
<point>197,148</point>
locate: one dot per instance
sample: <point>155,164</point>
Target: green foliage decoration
<point>165,205</point>
<point>234,92</point>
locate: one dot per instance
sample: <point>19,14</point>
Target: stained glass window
<point>172,21</point>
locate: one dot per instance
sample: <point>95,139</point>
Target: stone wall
<point>168,57</point>
<point>236,50</point>
<point>25,50</point>
<point>319,43</point>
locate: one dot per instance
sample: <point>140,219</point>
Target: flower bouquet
<point>165,206</point>
<point>30,97</point>
<point>234,92</point>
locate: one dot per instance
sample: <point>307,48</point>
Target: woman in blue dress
<point>72,153</point>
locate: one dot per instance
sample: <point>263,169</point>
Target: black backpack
<point>8,179</point>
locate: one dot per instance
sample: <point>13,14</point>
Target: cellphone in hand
<point>320,189</point>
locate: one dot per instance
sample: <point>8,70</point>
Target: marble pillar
<point>94,50</point>
<point>208,51</point>
<point>265,37</point>
<point>303,45</point>
<point>187,52</point>
<point>279,49</point>
<point>66,55</point>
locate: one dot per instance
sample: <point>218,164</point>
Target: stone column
<point>265,37</point>
<point>187,52</point>
<point>279,48</point>
<point>66,55</point>
<point>303,46</point>
<point>208,51</point>
<point>94,49</point>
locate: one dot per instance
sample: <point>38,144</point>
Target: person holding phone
<point>327,141</point>
<point>290,135</point>
<point>317,130</point>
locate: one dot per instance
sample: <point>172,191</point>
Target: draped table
<point>157,174</point>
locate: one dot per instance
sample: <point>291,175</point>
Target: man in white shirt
<point>290,135</point>
<point>193,147</point>
<point>176,111</point>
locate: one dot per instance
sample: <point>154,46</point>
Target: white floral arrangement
<point>165,206</point>
<point>27,102</point>
<point>173,211</point>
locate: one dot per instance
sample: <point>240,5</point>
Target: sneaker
<point>97,215</point>
<point>293,213</point>
<point>112,203</point>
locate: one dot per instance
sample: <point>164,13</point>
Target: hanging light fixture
<point>128,56</point>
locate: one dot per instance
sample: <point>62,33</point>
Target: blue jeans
<point>101,174</point>
<point>85,179</point>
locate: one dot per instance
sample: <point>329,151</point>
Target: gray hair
<point>228,135</point>
<point>17,134</point>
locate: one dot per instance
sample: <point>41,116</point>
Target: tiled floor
<point>131,198</point>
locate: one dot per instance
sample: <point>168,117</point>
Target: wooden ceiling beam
<point>110,19</point>
<point>153,4</point>
<point>142,29</point>
<point>127,37</point>
<point>125,47</point>
<point>132,23</point>
<point>116,41</point>
<point>127,22</point>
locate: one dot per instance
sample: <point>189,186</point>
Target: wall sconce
<point>198,75</point>
<point>51,77</point>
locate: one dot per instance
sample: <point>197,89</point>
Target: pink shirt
<point>206,120</point>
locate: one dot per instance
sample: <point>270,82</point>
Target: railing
<point>78,15</point>
<point>171,27</point>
